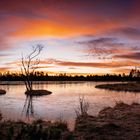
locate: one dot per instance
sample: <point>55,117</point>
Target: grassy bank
<point>120,122</point>
<point>131,87</point>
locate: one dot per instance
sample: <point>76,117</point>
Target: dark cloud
<point>132,55</point>
<point>103,40</point>
<point>29,8</point>
<point>100,47</point>
<point>106,47</point>
<point>20,8</point>
<point>130,32</point>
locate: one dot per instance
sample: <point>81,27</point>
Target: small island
<point>130,87</point>
<point>2,92</point>
<point>38,92</point>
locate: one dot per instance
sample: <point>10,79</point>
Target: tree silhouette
<point>29,65</point>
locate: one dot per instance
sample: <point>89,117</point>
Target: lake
<point>62,102</point>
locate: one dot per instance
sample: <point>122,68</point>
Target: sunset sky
<point>79,36</point>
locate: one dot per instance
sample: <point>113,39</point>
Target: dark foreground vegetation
<point>121,122</point>
<point>42,76</point>
<point>38,130</point>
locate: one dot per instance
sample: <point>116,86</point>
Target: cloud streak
<point>128,32</point>
<point>107,47</point>
<point>54,63</point>
<point>60,66</point>
<point>133,55</point>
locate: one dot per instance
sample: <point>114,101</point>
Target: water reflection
<point>63,100</point>
<point>28,109</point>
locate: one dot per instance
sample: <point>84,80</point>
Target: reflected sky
<point>63,100</point>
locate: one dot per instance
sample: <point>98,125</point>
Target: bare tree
<point>29,65</point>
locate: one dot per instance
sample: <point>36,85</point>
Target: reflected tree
<point>28,108</point>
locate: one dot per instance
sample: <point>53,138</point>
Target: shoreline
<point>126,87</point>
<point>118,122</point>
<point>111,123</point>
<point>14,83</point>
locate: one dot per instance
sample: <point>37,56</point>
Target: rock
<point>38,92</point>
<point>2,92</point>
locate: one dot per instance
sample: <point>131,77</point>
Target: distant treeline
<point>134,75</point>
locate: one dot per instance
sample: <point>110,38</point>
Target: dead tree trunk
<point>29,65</point>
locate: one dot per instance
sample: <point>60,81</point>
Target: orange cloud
<point>68,18</point>
<point>121,70</point>
<point>39,28</point>
<point>4,69</point>
<point>111,64</point>
<point>61,18</point>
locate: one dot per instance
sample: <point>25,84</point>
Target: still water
<point>63,101</point>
